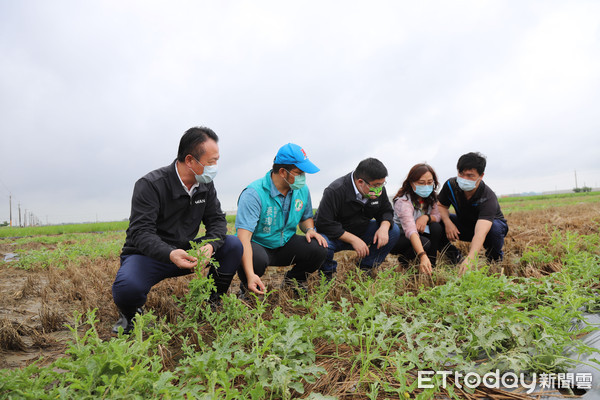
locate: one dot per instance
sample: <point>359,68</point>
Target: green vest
<point>272,231</point>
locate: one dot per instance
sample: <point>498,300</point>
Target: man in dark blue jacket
<point>167,208</point>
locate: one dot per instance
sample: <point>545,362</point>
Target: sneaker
<point>125,322</point>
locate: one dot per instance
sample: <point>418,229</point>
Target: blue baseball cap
<point>293,154</point>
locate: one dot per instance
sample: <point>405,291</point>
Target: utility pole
<point>575,179</point>
<point>10,206</point>
<point>20,214</point>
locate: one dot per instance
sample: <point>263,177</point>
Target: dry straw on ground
<point>35,304</point>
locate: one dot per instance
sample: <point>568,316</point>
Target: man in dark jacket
<point>355,213</point>
<point>167,208</point>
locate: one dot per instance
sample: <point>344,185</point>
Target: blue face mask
<point>423,190</point>
<point>209,173</point>
<point>466,184</point>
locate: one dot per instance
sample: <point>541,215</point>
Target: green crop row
<point>58,250</point>
<point>17,232</point>
<point>528,203</point>
<point>374,334</point>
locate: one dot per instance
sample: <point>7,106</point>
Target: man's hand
<point>256,285</point>
<point>382,236</point>
<point>311,233</point>
<point>182,259</point>
<point>207,251</point>
<point>466,264</point>
<point>452,231</point>
<point>464,267</point>
<point>421,223</point>
<point>360,247</point>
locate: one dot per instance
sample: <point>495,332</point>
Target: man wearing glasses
<point>269,211</point>
<point>355,213</point>
<point>478,217</point>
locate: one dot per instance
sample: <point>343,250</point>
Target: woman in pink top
<point>416,213</point>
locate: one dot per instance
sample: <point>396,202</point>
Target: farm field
<point>357,337</point>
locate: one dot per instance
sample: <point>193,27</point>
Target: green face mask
<point>299,181</point>
<point>375,191</point>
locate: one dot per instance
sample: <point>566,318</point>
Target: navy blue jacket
<point>340,211</point>
<point>164,217</point>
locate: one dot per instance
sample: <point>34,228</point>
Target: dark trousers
<point>430,241</point>
<point>138,273</point>
<point>307,258</point>
<point>493,244</point>
<point>376,256</point>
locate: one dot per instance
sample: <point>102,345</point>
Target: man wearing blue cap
<point>269,211</point>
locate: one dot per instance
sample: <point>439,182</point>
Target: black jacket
<point>340,211</point>
<point>164,217</point>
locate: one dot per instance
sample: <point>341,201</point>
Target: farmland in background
<point>357,337</point>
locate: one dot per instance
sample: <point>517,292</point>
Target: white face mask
<point>209,173</point>
<point>466,184</point>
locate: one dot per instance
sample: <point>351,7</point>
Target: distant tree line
<point>584,189</point>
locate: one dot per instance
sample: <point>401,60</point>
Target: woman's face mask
<point>423,190</point>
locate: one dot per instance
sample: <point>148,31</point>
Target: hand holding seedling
<point>182,259</point>
<point>205,253</point>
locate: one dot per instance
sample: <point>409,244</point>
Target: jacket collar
<point>177,183</point>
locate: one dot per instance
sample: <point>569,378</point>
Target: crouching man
<point>167,208</point>
<point>478,217</point>
<point>270,210</point>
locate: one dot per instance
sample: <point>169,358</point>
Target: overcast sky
<point>95,94</point>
